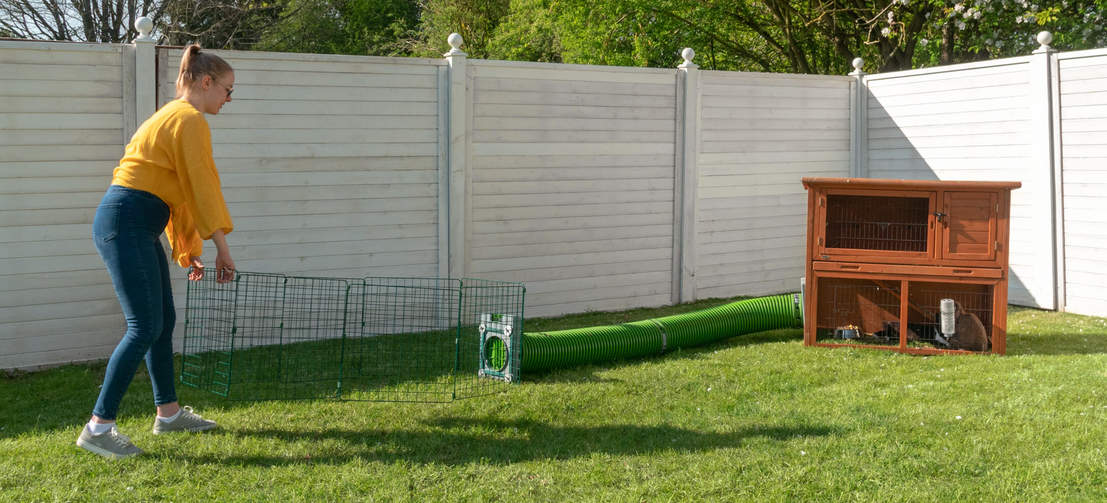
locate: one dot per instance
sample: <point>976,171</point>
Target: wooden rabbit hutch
<point>882,255</point>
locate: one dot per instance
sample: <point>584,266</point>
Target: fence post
<point>686,182</point>
<point>1045,174</point>
<point>858,121</point>
<point>458,131</point>
<point>146,78</point>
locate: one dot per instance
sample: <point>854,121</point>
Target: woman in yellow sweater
<point>166,181</point>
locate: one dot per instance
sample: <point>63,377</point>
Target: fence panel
<point>62,117</point>
<point>759,135</point>
<point>1083,91</point>
<point>968,122</point>
<point>571,183</point>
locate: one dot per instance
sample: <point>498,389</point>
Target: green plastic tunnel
<point>567,348</point>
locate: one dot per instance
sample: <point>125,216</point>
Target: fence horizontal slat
<point>290,234</point>
<point>50,137</point>
<point>573,124</point>
<point>564,223</point>
<point>56,73</point>
<point>328,207</point>
<point>566,136</point>
<point>325,136</point>
<point>545,86</point>
<point>488,110</point>
<point>329,107</point>
<point>286,179</point>
<point>62,89</point>
<point>566,248</point>
<point>270,150</point>
<point>573,210</point>
<point>572,159</point>
<point>335,220</point>
<point>570,173</point>
<point>572,235</point>
<point>315,80</point>
<point>60,121</point>
<point>327,192</point>
<point>69,105</point>
<point>251,253</point>
<point>549,71</point>
<point>556,261</point>
<point>336,93</point>
<point>481,97</point>
<point>778,92</point>
<point>56,54</point>
<point>481,149</point>
<point>326,164</point>
<point>274,119</point>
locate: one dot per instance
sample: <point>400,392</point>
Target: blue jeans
<point>126,229</point>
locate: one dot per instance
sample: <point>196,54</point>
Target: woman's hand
<point>196,272</point>
<point>224,268</point>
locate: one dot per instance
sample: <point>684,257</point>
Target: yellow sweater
<point>170,156</point>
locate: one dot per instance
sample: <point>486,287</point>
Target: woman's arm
<point>224,265</point>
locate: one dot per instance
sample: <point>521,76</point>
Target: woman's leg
<point>126,232</point>
<point>159,359</point>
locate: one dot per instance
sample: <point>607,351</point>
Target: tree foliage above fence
<point>374,27</point>
<point>799,36</point>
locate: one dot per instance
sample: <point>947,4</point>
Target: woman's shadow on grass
<point>455,441</point>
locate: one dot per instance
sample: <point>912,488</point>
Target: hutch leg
<point>999,317</point>
<point>903,314</point>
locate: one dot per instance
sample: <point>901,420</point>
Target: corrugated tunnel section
<point>567,348</point>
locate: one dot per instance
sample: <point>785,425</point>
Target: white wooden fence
<point>62,123</point>
<point>1082,117</point>
<point>1039,119</point>
<point>599,187</point>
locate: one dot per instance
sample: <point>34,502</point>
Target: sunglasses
<point>228,89</point>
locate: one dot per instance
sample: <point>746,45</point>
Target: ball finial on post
<point>688,54</point>
<point>145,26</point>
<point>857,64</point>
<point>1044,39</point>
<point>455,42</point>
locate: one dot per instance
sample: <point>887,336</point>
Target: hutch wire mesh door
<point>271,336</point>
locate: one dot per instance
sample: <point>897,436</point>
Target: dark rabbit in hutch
<point>970,332</point>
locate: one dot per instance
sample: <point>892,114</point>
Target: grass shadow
<point>458,441</point>
<point>62,398</point>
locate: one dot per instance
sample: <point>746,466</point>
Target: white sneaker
<point>186,421</point>
<point>111,445</point>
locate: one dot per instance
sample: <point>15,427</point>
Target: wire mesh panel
<point>265,336</point>
<point>405,346</point>
<point>858,311</point>
<point>209,336</point>
<point>490,336</point>
<point>971,301</point>
<point>877,222</point>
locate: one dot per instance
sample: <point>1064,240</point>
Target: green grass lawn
<point>752,418</point>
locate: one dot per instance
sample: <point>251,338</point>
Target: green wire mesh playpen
<point>272,336</point>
